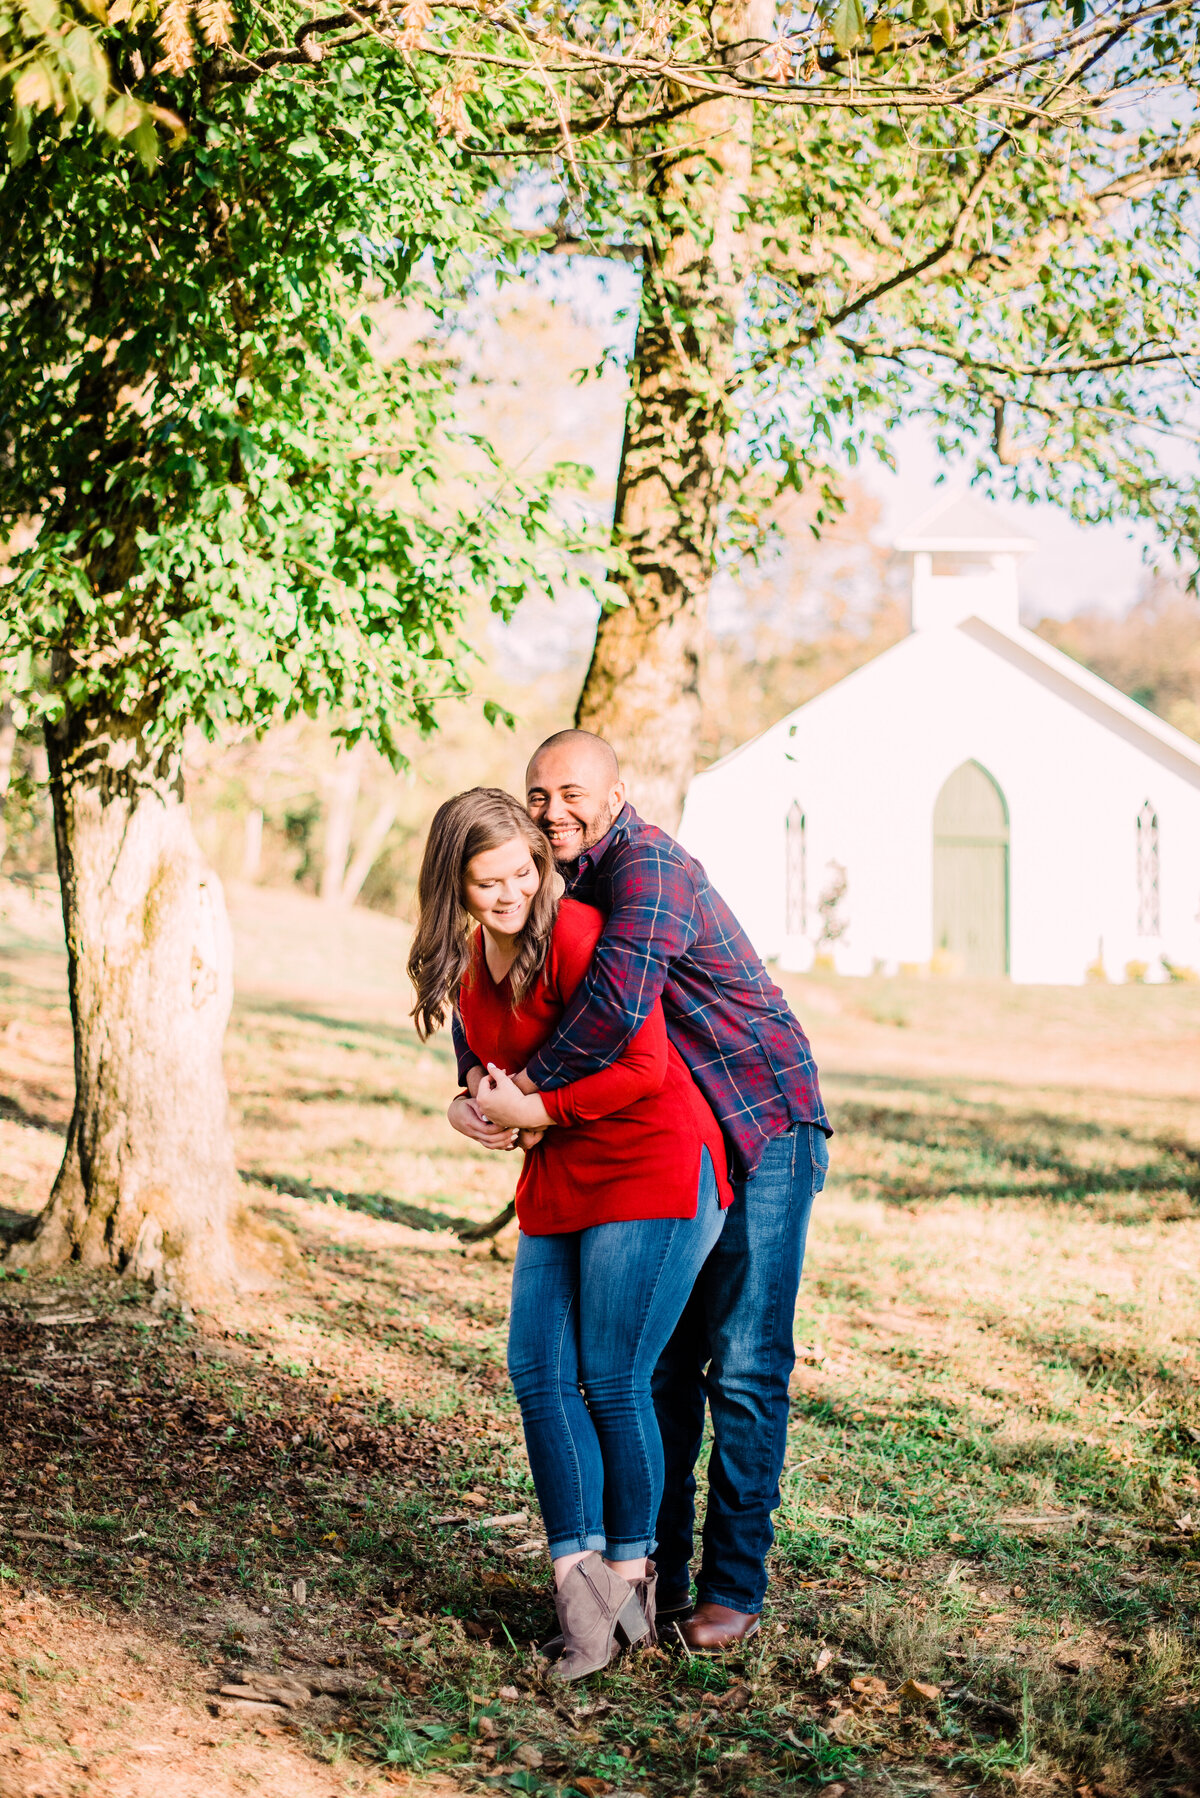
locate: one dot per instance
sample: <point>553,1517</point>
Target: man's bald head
<point>574,791</point>
<point>580,747</point>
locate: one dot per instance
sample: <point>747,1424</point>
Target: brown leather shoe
<point>713,1627</point>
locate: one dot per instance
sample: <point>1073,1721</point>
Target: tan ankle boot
<point>595,1606</point>
<point>645,1589</point>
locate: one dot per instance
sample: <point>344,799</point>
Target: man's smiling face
<point>573,794</point>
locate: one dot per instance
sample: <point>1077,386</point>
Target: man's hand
<point>500,1098</point>
<point>466,1117</point>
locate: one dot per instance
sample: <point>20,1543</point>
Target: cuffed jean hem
<point>577,1545</point>
<point>731,1601</point>
<point>630,1551</point>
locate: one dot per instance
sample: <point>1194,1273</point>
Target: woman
<point>619,1201</point>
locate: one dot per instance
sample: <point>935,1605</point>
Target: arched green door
<point>970,871</point>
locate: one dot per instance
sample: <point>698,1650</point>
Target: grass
<point>986,1568</point>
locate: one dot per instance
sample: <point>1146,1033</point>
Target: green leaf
<point>87,64</point>
<point>124,115</point>
<point>16,133</point>
<point>848,25</point>
<point>144,139</point>
<point>943,18</point>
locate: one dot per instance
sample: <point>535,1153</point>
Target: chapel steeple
<point>964,565</point>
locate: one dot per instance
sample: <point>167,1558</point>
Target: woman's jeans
<point>592,1312</point>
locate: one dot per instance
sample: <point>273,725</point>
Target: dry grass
<point>993,1468</point>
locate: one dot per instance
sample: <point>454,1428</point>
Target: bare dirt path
<point>94,1707</point>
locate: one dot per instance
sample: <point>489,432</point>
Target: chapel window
<point>797,871</point>
<point>1149,922</point>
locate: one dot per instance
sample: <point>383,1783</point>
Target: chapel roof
<point>965,524</point>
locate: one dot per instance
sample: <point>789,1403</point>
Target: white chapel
<point>971,800</point>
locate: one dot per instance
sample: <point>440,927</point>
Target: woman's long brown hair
<point>466,826</point>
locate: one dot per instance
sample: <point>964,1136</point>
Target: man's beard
<point>593,831</point>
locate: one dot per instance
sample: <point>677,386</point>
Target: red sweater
<point>626,1141</point>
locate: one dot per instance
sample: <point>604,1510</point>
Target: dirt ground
<point>986,1570</point>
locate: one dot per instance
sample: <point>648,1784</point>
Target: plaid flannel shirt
<point>670,936</point>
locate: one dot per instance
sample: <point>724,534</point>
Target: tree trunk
<point>148,1179</point>
<point>642,688</point>
<point>367,852</point>
<point>342,797</point>
<point>8,744</point>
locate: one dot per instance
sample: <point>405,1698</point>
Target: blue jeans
<point>591,1314</point>
<point>733,1347</point>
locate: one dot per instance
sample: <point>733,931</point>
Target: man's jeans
<point>733,1347</point>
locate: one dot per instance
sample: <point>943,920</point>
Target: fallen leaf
<point>487,1729</point>
<point>824,1659</point>
<point>918,1692</point>
<point>736,1698</point>
<point>590,1786</point>
<point>508,1694</point>
<point>868,1686</point>
<point>300,1591</point>
<point>451,1517</point>
<point>528,1755</point>
<point>191,1507</point>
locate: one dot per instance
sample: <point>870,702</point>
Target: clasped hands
<point>500,1111</point>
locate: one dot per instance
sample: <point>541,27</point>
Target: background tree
<point>840,219</point>
<point>244,510</point>
<point>1014,266</point>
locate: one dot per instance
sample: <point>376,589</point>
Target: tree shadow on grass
<point>241,1474</point>
<point>16,1113</point>
<point>403,1035</point>
<point>15,1226</point>
<point>374,1204</point>
<point>981,1152</point>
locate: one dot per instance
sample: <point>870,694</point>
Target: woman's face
<point>499,887</point>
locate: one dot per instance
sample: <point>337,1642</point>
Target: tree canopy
<point>246,503</point>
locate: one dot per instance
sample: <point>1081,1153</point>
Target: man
<point>670,935</point>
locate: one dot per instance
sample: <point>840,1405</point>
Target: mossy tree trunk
<point>642,687</point>
<point>148,1180</point>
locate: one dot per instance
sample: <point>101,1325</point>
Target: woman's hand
<point>466,1117</point>
<point>502,1102</point>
